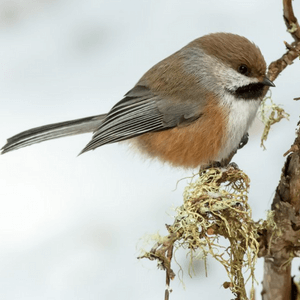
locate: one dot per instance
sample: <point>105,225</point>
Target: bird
<point>192,108</point>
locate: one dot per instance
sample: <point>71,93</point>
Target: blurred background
<point>71,227</point>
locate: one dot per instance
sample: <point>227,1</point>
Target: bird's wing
<point>139,112</point>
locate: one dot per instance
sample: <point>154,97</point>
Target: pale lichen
<point>215,205</point>
<point>270,114</point>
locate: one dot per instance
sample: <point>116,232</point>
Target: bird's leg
<point>244,140</point>
<point>227,161</point>
<point>213,164</point>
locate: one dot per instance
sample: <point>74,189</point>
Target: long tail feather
<point>52,131</point>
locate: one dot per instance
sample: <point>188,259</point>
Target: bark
<point>280,250</point>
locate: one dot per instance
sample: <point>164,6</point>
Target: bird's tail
<point>52,131</point>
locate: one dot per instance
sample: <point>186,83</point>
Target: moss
<point>215,204</point>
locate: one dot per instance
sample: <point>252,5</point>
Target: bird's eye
<point>243,69</point>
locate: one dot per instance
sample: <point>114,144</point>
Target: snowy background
<point>70,227</point>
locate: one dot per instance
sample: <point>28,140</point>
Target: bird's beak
<point>268,82</point>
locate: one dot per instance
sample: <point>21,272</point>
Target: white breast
<point>241,114</point>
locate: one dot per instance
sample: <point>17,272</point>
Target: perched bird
<point>190,109</point>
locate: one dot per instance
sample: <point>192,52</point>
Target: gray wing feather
<point>141,111</point>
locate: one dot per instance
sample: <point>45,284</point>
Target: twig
<point>290,20</point>
<point>168,277</point>
<point>276,67</point>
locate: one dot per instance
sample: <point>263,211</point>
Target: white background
<point>70,227</point>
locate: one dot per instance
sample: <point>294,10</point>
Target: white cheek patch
<point>230,79</point>
<point>212,73</point>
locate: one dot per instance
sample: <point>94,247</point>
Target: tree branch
<point>277,282</point>
<point>280,250</point>
<point>276,67</point>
